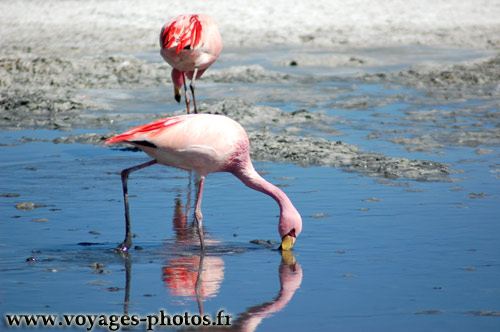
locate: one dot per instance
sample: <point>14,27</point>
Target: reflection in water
<point>199,276</point>
<point>128,275</point>
<point>290,274</point>
<point>193,277</point>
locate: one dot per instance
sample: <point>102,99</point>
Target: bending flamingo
<point>190,44</point>
<point>204,143</point>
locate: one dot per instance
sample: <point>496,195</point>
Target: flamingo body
<point>203,143</point>
<point>208,143</point>
<point>190,44</point>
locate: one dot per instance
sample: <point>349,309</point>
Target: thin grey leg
<point>191,85</point>
<point>186,94</point>
<point>127,243</point>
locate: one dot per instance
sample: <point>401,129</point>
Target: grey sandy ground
<point>44,92</point>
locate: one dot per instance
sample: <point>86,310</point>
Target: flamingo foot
<point>125,246</point>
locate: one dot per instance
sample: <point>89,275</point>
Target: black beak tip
<point>178,98</point>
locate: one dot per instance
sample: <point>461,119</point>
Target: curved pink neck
<point>177,78</point>
<point>249,176</point>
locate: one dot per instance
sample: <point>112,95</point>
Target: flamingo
<point>204,143</point>
<point>190,44</point>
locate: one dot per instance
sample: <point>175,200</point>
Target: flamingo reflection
<point>290,275</point>
<point>199,276</point>
<point>182,275</point>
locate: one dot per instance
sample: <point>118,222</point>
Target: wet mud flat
<point>46,92</point>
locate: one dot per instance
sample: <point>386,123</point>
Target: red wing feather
<point>197,33</point>
<point>184,35</point>
<point>149,128</point>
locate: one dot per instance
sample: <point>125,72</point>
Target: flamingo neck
<point>177,78</point>
<point>252,179</point>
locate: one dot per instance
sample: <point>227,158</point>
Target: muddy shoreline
<point>44,93</point>
<point>51,54</point>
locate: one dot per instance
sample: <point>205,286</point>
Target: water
<point>374,255</point>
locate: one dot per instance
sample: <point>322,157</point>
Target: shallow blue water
<point>374,255</point>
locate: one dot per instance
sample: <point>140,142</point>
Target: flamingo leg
<point>186,94</point>
<point>127,243</point>
<point>191,86</point>
<point>197,213</point>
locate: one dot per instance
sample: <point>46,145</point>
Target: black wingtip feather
<point>144,143</point>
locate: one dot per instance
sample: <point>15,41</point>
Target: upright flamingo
<point>190,44</point>
<point>204,143</point>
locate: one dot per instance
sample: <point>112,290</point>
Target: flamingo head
<point>290,226</point>
<point>178,81</point>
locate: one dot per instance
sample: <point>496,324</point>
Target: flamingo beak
<point>177,94</point>
<point>287,242</point>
